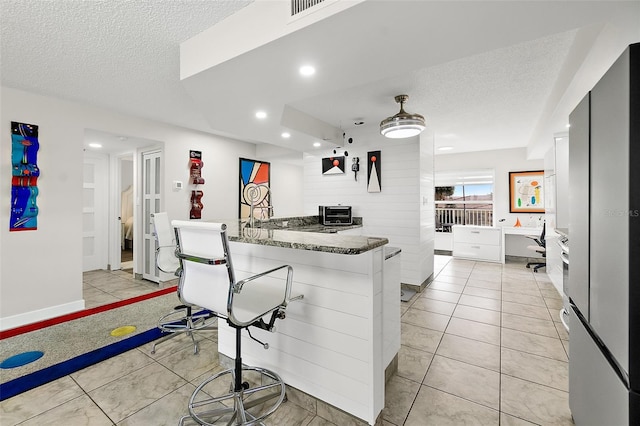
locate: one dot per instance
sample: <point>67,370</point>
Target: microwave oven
<point>335,215</point>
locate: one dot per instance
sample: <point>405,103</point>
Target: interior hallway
<point>481,345</point>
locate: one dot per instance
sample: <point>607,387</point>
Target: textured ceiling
<point>483,101</point>
<point>122,55</point>
<point>486,75</point>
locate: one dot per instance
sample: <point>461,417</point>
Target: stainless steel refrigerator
<point>604,230</point>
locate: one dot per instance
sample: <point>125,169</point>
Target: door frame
<point>115,223</point>
<point>139,243</point>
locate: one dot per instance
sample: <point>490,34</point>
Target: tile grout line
<point>91,399</point>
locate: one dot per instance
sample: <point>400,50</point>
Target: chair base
<point>181,320</point>
<point>248,406</point>
<point>536,265</point>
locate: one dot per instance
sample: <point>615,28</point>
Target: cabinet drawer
<point>477,251</point>
<point>476,235</point>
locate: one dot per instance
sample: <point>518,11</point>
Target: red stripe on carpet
<point>80,314</point>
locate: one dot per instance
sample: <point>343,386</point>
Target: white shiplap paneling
<point>398,211</point>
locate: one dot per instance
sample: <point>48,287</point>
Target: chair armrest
<point>172,246</point>
<point>167,261</point>
<point>198,259</point>
<point>534,238</point>
<point>237,287</point>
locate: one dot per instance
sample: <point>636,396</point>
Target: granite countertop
<point>303,233</point>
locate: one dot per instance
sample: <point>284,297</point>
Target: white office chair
<point>181,319</point>
<point>207,279</point>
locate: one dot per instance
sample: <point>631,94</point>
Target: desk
<point>512,230</point>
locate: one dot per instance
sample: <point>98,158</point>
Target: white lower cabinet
<point>477,243</point>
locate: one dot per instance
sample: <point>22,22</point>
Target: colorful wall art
<point>255,192</point>
<point>526,192</point>
<point>195,173</point>
<point>196,205</point>
<point>374,172</point>
<point>24,177</point>
<point>332,165</point>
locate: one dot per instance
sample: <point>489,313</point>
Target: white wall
<point>41,271</point>
<point>502,161</point>
<point>397,212</point>
<point>286,188</point>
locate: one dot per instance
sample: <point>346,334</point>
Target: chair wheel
<point>245,385</point>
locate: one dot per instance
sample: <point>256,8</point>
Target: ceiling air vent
<point>298,6</point>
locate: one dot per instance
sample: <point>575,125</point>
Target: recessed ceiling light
<point>307,70</point>
<point>286,135</point>
<point>568,125</point>
<point>317,144</point>
<point>445,148</point>
<point>95,145</point>
<point>261,115</point>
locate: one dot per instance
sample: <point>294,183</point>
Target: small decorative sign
<point>196,165</point>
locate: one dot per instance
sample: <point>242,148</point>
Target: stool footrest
<point>262,395</point>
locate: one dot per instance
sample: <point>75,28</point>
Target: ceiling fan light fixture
<point>403,124</point>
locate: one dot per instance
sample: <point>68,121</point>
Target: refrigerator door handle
<point>563,313</point>
<point>563,247</point>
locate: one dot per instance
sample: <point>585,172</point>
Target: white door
<point>95,201</point>
<point>151,184</point>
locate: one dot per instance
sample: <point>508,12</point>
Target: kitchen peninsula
<point>336,343</point>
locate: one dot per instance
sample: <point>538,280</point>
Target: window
<point>463,198</point>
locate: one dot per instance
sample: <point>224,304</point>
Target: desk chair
<point>181,319</point>
<point>207,279</point>
<point>540,248</point>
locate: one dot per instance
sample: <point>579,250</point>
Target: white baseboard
<point>40,315</point>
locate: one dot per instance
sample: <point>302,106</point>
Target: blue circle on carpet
<point>21,359</point>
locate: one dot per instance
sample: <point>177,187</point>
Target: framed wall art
<point>255,192</point>
<point>333,165</point>
<point>24,177</point>
<point>374,172</point>
<point>526,192</point>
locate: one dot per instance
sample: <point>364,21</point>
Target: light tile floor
<point>482,345</point>
<point>101,287</point>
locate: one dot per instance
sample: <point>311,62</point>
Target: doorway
<point>126,174</point>
<point>151,203</point>
<point>117,184</point>
<point>94,211</point>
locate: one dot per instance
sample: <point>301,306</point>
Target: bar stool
<point>207,279</point>
<point>181,319</point>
